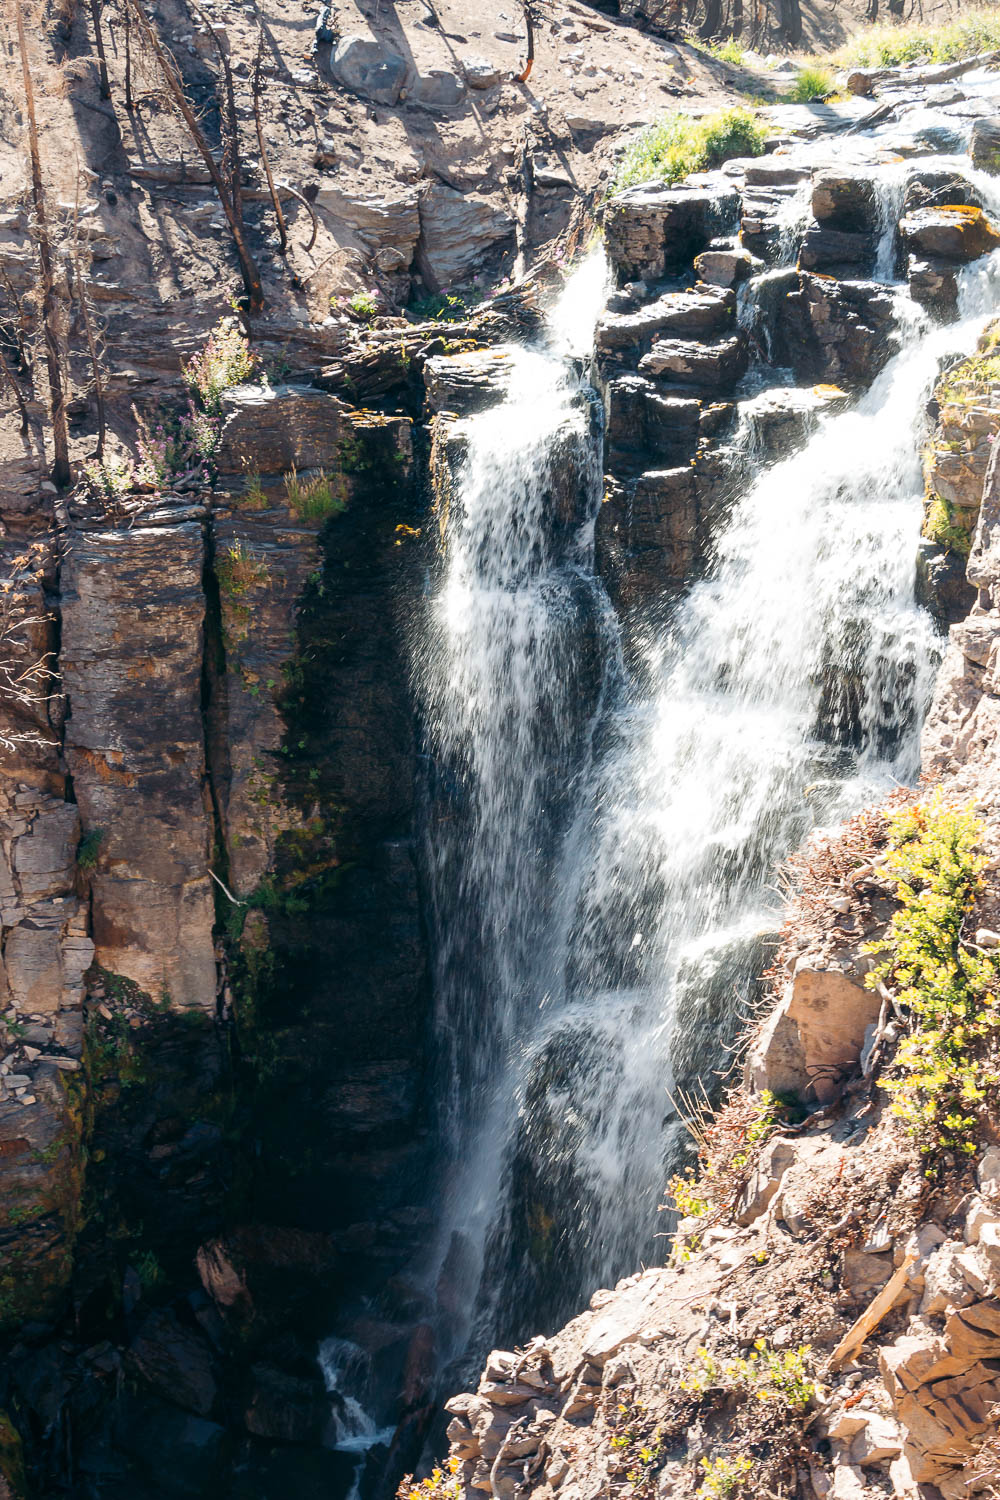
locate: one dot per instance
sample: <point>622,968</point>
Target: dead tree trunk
<point>529,25</point>
<point>50,309</point>
<point>175,88</point>
<point>95,16</point>
<point>275,200</point>
<point>231,127</point>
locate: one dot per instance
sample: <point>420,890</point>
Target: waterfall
<point>600,842</point>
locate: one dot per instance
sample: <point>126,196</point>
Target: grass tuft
<point>892,46</point>
<point>811,83</point>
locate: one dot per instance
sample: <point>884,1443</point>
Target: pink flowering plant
<point>175,450</point>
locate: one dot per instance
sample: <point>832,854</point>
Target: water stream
<point>600,841</point>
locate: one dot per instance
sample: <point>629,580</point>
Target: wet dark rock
<point>647,535</point>
<point>466,383</point>
<point>934,284</point>
<point>644,422</point>
<point>651,230</point>
<point>955,233</point>
<point>984,147</point>
<point>175,1361</point>
<point>771,173</point>
<point>835,251</point>
<point>844,200</point>
<point>696,313</point>
<point>716,365</point>
<point>180,1454</point>
<point>836,331</point>
<point>285,1408</point>
<point>934,189</point>
<point>941,584</point>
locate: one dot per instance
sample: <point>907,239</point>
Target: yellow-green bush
<point>679,144</point>
<point>947,1070</point>
<point>892,45</point>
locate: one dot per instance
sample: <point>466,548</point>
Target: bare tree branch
<point>50,314</point>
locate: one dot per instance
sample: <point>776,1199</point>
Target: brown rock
<point>953,232</point>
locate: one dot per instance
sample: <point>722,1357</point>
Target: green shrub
<point>942,527</point>
<point>89,848</point>
<point>728,52</point>
<point>723,1477</point>
<point>239,570</point>
<point>811,83</point>
<point>889,46</point>
<point>766,1374</point>
<point>947,1070</point>
<point>679,145</point>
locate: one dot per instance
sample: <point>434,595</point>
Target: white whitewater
<point>600,847</point>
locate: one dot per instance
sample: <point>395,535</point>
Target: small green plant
<point>363,306</point>
<point>943,527</point>
<point>811,82</point>
<point>724,1477</point>
<point>110,479</point>
<point>679,145</point>
<point>148,1269</point>
<point>440,1484</point>
<point>313,497</point>
<point>253,497</point>
<point>239,570</point>
<point>765,1375</point>
<point>225,361</point>
<point>728,52</point>
<point>947,1070</point>
<point>89,848</point>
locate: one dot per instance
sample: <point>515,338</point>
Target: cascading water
<point>599,843</point>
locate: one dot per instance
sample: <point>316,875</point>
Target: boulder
<point>945,1285</point>
<point>815,1035</point>
<point>366,67</point>
<point>880,1439</point>
<point>437,89</point>
<point>724,267</point>
<point>984,147</point>
<point>479,73</point>
<point>955,232</point>
<point>864,1274</point>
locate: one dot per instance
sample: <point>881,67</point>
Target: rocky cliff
<point>216,1131</point>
